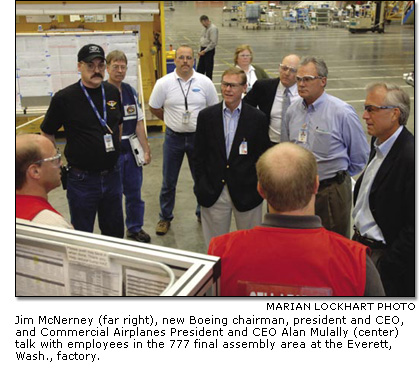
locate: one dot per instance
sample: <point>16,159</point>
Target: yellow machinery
<point>368,17</point>
<point>394,10</point>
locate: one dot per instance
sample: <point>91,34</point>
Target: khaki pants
<point>333,206</point>
<point>216,220</point>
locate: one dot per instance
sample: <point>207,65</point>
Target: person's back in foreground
<point>291,251</point>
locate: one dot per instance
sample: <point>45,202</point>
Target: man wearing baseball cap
<point>91,113</point>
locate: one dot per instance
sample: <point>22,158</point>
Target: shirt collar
<point>194,75</point>
<point>292,221</point>
<point>317,103</point>
<point>292,89</point>
<point>237,110</point>
<point>383,148</point>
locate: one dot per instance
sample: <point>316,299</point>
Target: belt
<point>99,173</point>
<point>126,136</point>
<point>338,178</point>
<point>371,243</point>
<point>168,129</point>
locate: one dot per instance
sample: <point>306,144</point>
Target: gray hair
<point>395,96</point>
<point>321,67</point>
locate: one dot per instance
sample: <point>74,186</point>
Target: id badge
<point>109,144</point>
<point>243,148</point>
<point>303,136</point>
<point>186,117</point>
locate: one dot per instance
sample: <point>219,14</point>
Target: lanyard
<point>101,120</point>
<point>185,96</point>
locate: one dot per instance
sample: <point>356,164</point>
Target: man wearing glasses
<point>38,166</point>
<point>273,96</point>
<point>91,114</point>
<point>384,195</point>
<point>331,129</point>
<point>177,98</point>
<point>131,172</point>
<point>230,138</point>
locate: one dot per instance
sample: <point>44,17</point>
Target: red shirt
<point>312,257</point>
<point>28,207</point>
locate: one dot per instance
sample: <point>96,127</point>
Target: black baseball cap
<point>89,52</point>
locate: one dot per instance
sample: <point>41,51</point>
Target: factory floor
<point>353,60</point>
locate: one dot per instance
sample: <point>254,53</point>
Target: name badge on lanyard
<point>303,134</point>
<point>109,144</point>
<point>186,116</point>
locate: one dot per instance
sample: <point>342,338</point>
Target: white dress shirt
<point>363,218</point>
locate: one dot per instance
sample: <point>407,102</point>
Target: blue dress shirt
<point>333,133</point>
<point>230,124</point>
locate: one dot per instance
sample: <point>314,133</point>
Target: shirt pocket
<point>322,142</point>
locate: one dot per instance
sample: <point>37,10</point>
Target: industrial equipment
<point>368,17</point>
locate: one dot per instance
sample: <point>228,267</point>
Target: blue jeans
<point>89,193</point>
<point>132,180</point>
<point>174,148</point>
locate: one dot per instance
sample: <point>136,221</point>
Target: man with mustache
<point>90,112</point>
<point>177,98</point>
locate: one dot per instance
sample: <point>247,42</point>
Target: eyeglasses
<point>307,78</point>
<point>232,85</point>
<point>182,57</point>
<point>375,108</point>
<point>286,68</point>
<point>116,67</point>
<point>54,158</point>
<point>93,67</point>
<point>244,56</point>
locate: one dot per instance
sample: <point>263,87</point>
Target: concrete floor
<point>353,60</point>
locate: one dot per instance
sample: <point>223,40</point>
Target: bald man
<point>291,253</point>
<point>38,171</point>
<point>273,96</point>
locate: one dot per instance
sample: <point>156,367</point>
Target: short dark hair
<point>204,18</point>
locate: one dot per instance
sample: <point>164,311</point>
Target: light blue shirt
<point>333,133</point>
<point>363,218</point>
<point>230,124</point>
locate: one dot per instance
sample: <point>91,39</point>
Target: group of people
<point>284,140</point>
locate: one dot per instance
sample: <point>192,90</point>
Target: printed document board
<point>47,62</point>
<point>57,262</point>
